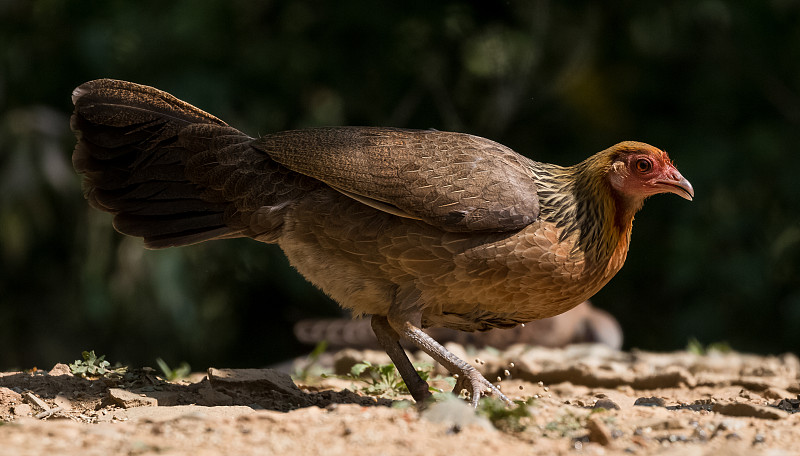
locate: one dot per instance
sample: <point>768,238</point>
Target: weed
<point>384,379</point>
<point>178,373</point>
<point>96,366</point>
<point>566,425</point>
<point>696,347</point>
<point>504,418</point>
<point>311,367</point>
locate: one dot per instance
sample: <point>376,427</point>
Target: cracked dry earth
<point>586,399</point>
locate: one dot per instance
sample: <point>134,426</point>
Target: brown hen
<point>415,228</point>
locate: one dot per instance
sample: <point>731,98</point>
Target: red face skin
<point>648,171</point>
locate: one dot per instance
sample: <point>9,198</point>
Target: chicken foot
<point>390,329</point>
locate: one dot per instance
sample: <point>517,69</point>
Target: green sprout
<point>384,379</point>
<point>95,366</point>
<point>178,373</point>
<point>504,418</point>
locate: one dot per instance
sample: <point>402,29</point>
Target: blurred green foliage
<point>715,83</point>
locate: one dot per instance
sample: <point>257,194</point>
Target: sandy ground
<point>583,399</point>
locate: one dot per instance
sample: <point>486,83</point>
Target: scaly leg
<point>389,341</point>
<point>478,385</point>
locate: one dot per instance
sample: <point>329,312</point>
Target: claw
<point>477,386</point>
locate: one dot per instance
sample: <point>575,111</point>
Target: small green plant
<point>566,425</point>
<point>170,374</point>
<point>95,366</point>
<point>311,367</point>
<point>696,347</point>
<point>384,379</point>
<point>504,418</point>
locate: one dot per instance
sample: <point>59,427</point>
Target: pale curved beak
<point>678,185</point>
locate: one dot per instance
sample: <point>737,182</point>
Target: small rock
<point>259,379</point>
<point>127,399</point>
<point>598,432</point>
<point>607,404</point>
<point>751,410</point>
<point>22,410</point>
<point>60,369</point>
<point>650,401</point>
<point>789,405</point>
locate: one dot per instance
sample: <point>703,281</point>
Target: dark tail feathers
<point>133,162</point>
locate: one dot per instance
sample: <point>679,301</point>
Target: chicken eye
<point>643,165</point>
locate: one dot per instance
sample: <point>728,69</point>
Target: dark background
<point>716,84</point>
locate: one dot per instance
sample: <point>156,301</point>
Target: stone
<point>650,401</point>
<point>749,410</point>
<point>253,379</point>
<point>607,404</point>
<point>127,399</point>
<point>60,369</point>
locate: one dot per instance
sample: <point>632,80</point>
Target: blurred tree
<point>716,83</point>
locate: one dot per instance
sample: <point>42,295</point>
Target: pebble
<point>60,369</point>
<point>652,401</point>
<point>607,404</point>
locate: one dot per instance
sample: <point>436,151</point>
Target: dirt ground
<point>583,399</point>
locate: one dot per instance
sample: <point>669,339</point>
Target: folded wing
<point>455,181</point>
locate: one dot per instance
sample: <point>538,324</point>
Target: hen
<point>416,228</point>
